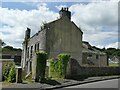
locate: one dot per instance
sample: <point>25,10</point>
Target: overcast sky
<point>98,20</point>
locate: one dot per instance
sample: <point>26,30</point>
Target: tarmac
<point>56,84</point>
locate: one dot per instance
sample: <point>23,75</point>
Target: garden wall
<point>86,71</point>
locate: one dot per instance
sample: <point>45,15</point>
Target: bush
<point>58,66</point>
<point>9,72</point>
<point>41,61</point>
<point>12,75</point>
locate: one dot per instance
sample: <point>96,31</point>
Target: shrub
<point>9,72</point>
<point>58,66</point>
<point>6,68</point>
<point>54,71</point>
<point>12,75</point>
<point>41,61</point>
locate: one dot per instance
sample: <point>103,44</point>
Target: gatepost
<point>18,74</point>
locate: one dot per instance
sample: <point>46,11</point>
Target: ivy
<point>41,65</point>
<point>58,66</point>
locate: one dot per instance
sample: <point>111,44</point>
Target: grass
<point>5,83</point>
<point>113,64</point>
<point>28,79</point>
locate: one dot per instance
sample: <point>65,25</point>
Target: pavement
<point>55,84</point>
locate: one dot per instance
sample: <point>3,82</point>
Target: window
<point>31,51</point>
<point>97,57</point>
<point>28,52</point>
<point>35,48</point>
<point>17,59</point>
<point>90,55</point>
<point>38,47</point>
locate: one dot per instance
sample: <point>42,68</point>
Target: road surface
<point>100,84</point>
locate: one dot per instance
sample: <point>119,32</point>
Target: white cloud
<point>98,21</point>
<point>95,14</point>
<point>111,45</point>
<point>60,6</point>
<point>99,36</point>
<point>116,45</point>
<point>16,21</point>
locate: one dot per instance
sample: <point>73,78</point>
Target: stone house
<point>115,59</point>
<point>91,56</point>
<point>59,36</point>
<point>11,54</point>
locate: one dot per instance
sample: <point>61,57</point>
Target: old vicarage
<point>59,36</point>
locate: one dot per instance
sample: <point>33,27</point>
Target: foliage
<point>113,64</point>
<point>41,61</point>
<point>111,52</point>
<point>8,48</point>
<point>58,66</point>
<point>116,53</point>
<point>9,73</point>
<point>27,79</point>
<point>12,75</point>
<point>6,69</point>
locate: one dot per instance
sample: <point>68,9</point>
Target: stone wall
<point>97,71</point>
<point>40,38</point>
<point>35,44</point>
<point>101,61</point>
<point>89,71</point>
<point>63,36</point>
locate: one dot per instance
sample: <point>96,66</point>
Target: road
<point>101,84</point>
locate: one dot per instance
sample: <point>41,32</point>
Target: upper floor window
<point>35,49</point>
<point>31,51</point>
<point>28,52</point>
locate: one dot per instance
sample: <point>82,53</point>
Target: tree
<point>116,53</point>
<point>9,47</point>
<point>111,52</point>
<point>6,48</point>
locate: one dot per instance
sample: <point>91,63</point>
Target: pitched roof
<point>9,52</point>
<point>90,49</point>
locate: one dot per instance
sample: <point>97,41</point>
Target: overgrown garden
<point>58,66</point>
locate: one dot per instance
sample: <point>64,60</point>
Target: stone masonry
<point>59,36</point>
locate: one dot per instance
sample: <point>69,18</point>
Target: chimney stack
<point>27,33</point>
<point>65,12</point>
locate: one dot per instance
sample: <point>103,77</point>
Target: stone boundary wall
<point>99,71</point>
<point>88,71</point>
<point>85,72</point>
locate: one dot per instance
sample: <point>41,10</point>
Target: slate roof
<point>87,48</point>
